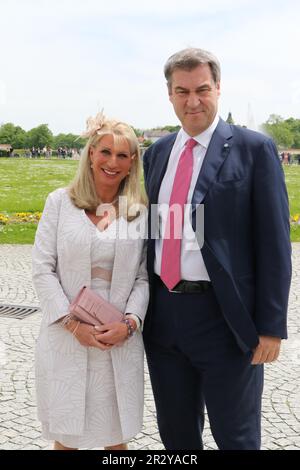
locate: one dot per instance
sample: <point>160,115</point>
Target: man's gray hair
<point>189,59</point>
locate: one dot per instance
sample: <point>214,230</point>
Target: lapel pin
<point>226,145</point>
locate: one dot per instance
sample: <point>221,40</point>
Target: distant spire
<point>250,119</point>
<point>229,119</point>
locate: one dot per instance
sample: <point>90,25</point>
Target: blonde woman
<point>90,380</point>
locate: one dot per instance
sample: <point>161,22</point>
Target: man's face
<point>194,96</point>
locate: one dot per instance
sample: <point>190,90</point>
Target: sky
<point>62,61</point>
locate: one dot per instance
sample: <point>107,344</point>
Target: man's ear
<point>169,88</point>
<point>171,98</point>
<point>170,94</point>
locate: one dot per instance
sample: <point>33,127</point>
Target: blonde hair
<point>82,190</point>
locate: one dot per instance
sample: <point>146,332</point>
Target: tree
<point>294,127</point>
<point>39,136</point>
<point>13,135</point>
<point>279,130</point>
<point>170,128</point>
<point>138,132</point>
<point>285,132</point>
<point>230,118</point>
<point>19,140</point>
<point>68,140</point>
<point>274,119</point>
<point>7,132</point>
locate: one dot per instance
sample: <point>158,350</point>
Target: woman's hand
<point>113,333</point>
<point>85,334</point>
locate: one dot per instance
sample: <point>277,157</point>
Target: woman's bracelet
<point>66,320</point>
<point>135,318</point>
<point>75,329</point>
<point>130,329</point>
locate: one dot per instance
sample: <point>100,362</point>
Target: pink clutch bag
<point>91,308</point>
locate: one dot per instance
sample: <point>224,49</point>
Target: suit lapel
<point>161,162</point>
<point>217,152</point>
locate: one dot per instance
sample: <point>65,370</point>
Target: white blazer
<point>61,266</point>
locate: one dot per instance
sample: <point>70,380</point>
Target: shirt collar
<point>203,138</point>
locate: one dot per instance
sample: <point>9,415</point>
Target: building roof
<point>6,147</point>
<point>292,151</point>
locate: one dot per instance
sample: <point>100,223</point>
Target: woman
<point>90,379</point>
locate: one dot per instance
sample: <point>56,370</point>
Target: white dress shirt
<point>191,264</point>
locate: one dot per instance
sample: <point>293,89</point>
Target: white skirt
<point>102,422</point>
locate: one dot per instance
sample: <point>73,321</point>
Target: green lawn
<point>292,178</point>
<point>26,183</point>
<point>17,233</point>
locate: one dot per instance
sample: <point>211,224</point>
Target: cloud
<point>89,8</point>
<point>2,92</point>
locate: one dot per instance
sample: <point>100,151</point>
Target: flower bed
<point>295,219</point>
<point>20,217</point>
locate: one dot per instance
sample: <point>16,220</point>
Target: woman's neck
<point>107,196</point>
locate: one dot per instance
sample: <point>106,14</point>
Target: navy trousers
<point>194,361</point>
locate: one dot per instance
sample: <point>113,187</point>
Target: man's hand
<point>267,350</point>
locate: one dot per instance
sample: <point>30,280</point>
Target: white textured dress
<point>102,420</point>
<point>86,397</point>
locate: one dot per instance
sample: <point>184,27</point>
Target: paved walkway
<point>19,428</point>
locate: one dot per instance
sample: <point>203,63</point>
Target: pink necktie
<point>171,250</point>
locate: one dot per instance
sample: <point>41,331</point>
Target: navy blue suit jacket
<point>246,250</point>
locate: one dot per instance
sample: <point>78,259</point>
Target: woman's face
<point>111,161</point>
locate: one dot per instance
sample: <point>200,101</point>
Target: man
<point>217,313</point>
